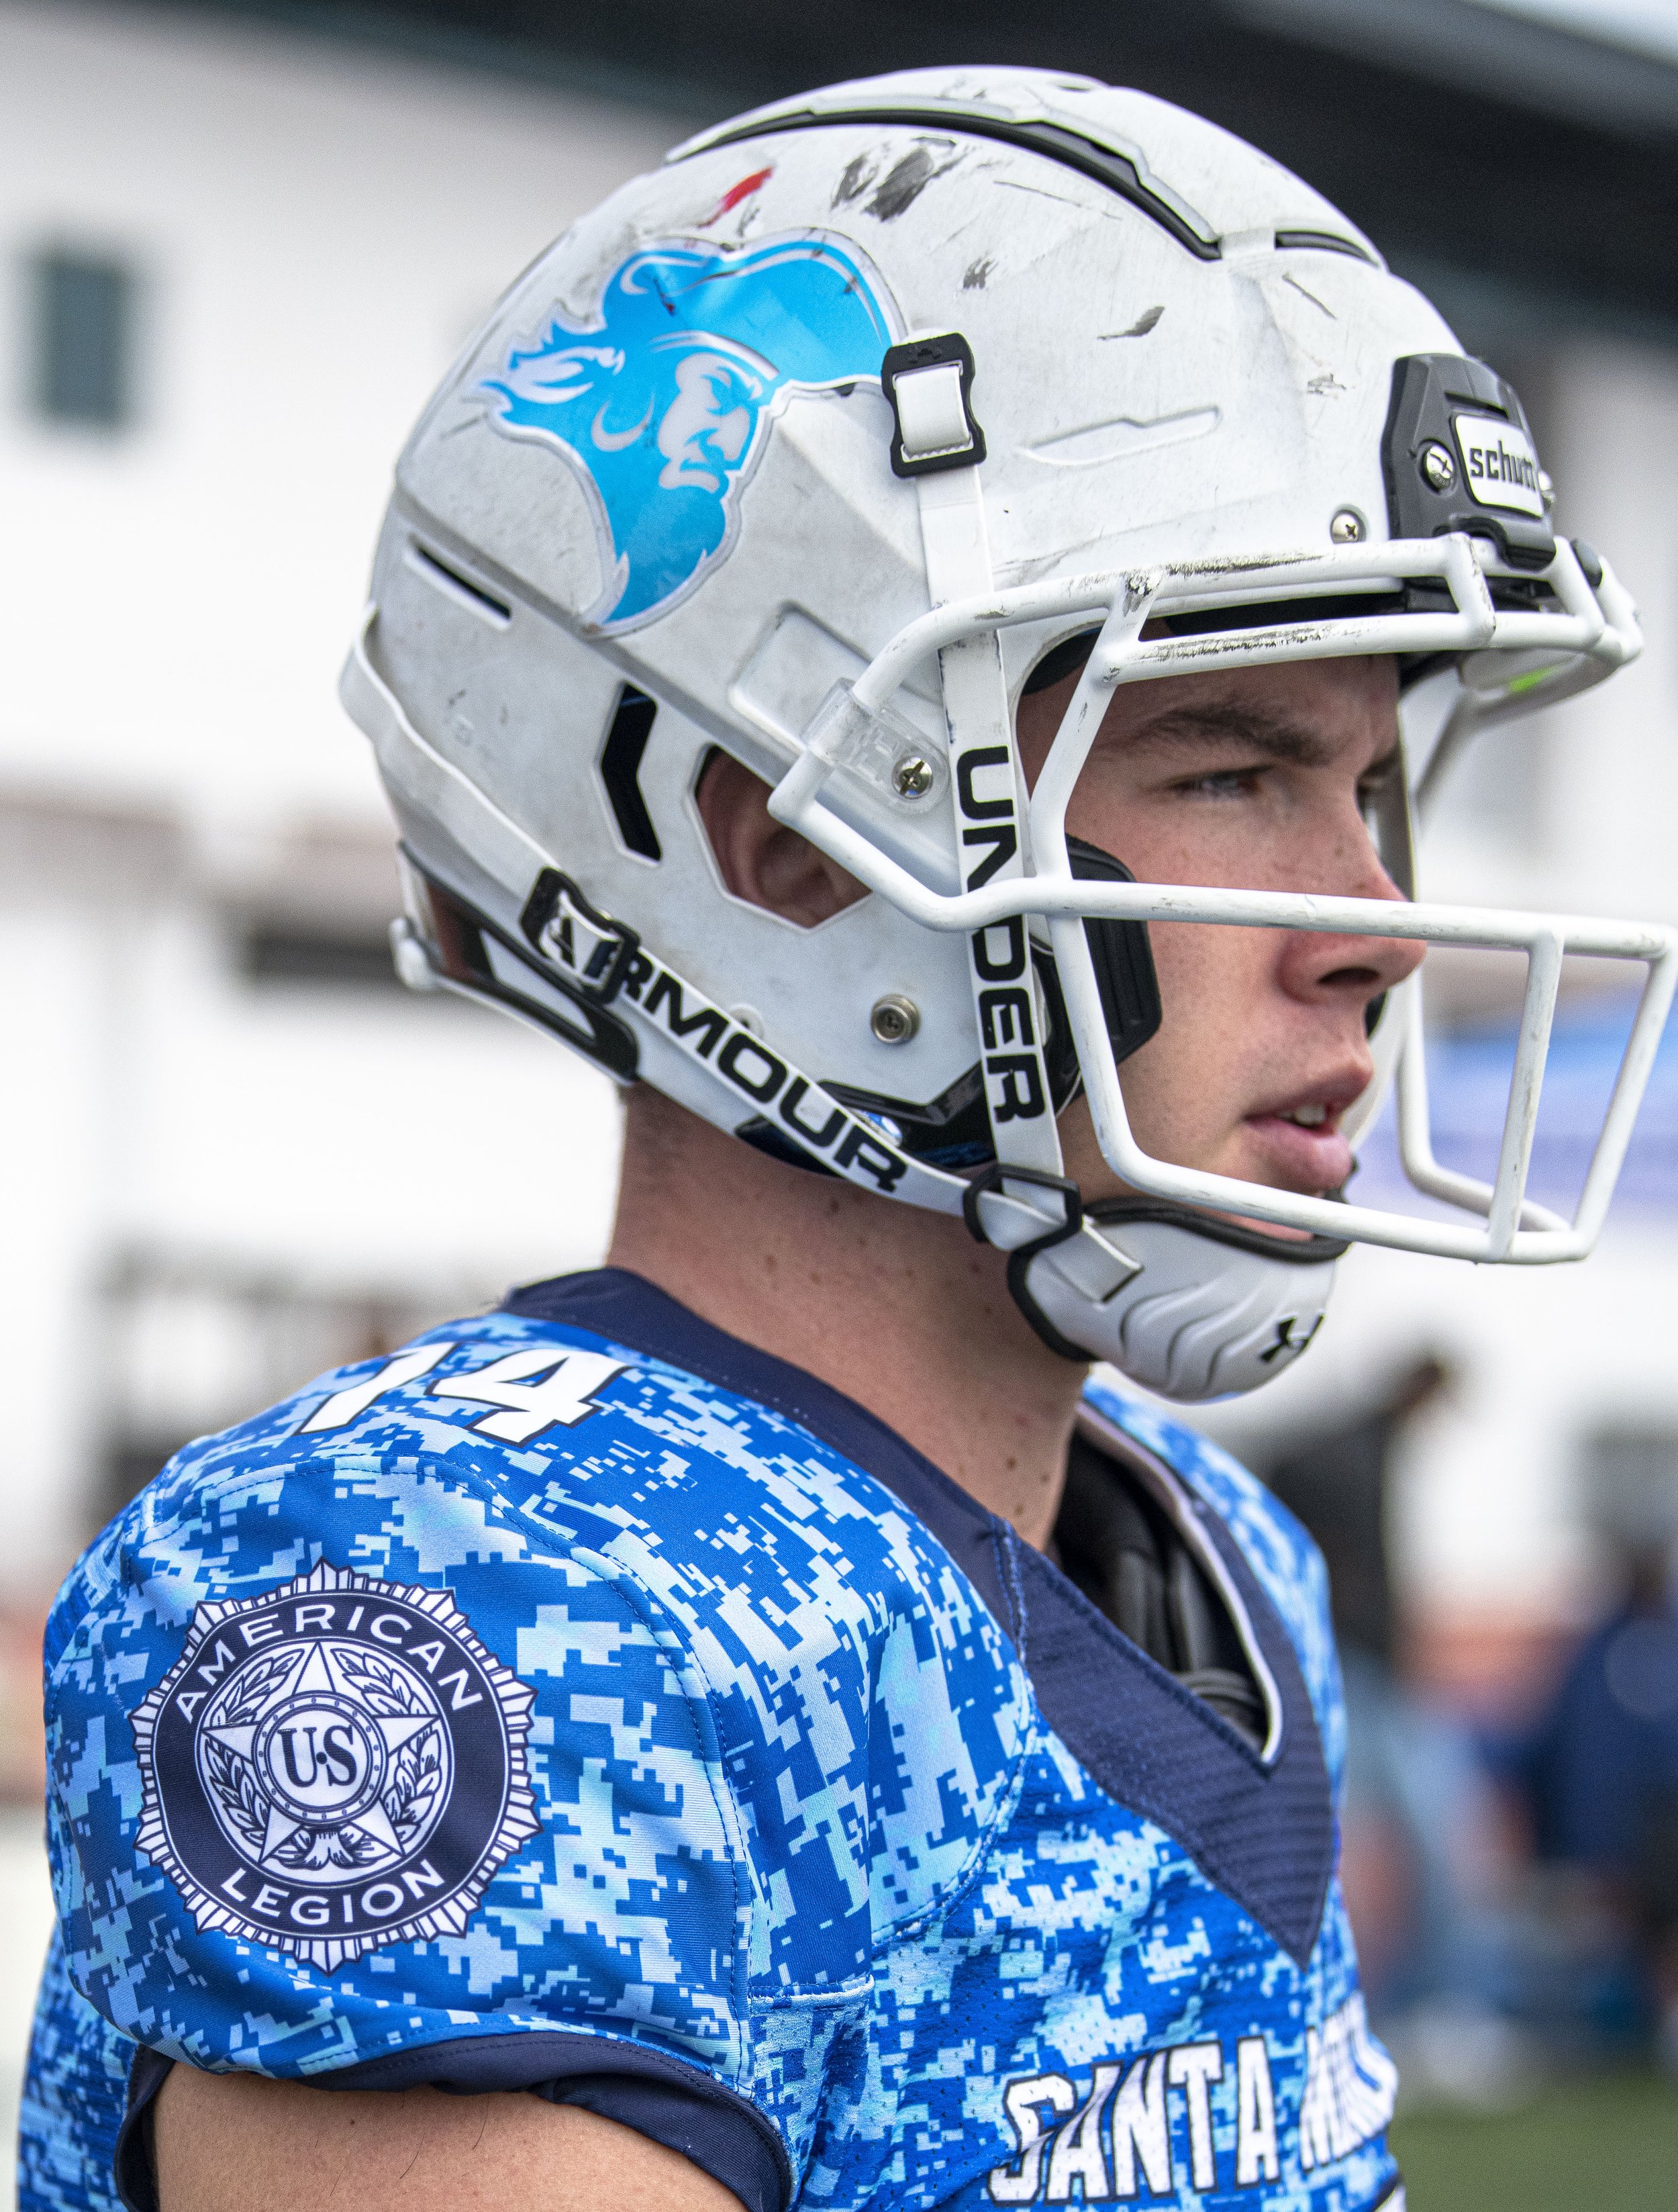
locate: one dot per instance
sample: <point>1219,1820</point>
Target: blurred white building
<point>233,1150</point>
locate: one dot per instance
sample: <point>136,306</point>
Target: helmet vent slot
<point>1320,241</point>
<point>453,586</point>
<point>630,728</point>
<point>1070,147</point>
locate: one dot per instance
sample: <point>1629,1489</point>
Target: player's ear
<point>761,860</point>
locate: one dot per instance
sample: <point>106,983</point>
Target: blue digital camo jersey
<point>578,1701</point>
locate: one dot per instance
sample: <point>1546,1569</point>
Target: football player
<point>909,640</point>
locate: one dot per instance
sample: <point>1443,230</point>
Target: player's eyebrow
<point>1243,729</point>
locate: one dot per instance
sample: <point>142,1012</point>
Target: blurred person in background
<point>1420,1842</point>
<point>1597,1777</point>
<point>757,1724</point>
<point>1339,1483</point>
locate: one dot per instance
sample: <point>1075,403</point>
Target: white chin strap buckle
<point>1045,1210</point>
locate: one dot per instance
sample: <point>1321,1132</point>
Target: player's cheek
<point>1235,843</point>
<point>1186,1090</point>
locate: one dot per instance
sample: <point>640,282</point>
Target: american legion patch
<point>337,1764</point>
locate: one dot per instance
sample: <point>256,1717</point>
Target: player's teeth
<point>1311,1117</point>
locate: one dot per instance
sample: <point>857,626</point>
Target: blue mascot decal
<point>664,404</point>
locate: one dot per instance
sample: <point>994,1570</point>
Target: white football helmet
<point>862,414</point>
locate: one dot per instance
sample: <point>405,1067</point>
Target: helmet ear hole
<point>760,861</point>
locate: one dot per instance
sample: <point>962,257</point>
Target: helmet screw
<point>1546,490</point>
<point>894,1019</point>
<point>1438,467</point>
<point>911,777</point>
<point>1348,527</point>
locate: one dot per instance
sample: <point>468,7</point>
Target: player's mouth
<point>1299,1140</point>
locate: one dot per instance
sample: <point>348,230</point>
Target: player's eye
<point>1221,783</point>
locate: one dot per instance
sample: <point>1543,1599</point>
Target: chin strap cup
<point>1190,1311</point>
<point>1196,1317</point>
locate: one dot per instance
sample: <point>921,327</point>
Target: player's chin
<point>1286,1155</point>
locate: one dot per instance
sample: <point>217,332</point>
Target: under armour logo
<point>1287,1345</point>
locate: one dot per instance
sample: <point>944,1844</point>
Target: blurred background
<point>238,245</point>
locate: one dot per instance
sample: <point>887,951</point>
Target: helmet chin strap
<point>1184,1305</point>
<point>939,445</point>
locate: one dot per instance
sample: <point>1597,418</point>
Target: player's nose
<point>1331,968</point>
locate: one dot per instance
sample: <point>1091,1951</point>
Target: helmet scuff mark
<point>1147,321</point>
<point>854,179</point>
<point>1305,294</point>
<point>908,179</point>
<point>732,198</point>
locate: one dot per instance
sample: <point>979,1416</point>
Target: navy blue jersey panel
<point>135,2168</point>
<point>1264,1834</point>
<point>658,2098</point>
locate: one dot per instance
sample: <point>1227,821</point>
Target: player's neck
<point>897,1308</point>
